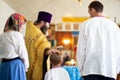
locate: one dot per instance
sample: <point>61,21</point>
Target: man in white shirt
<point>98,46</point>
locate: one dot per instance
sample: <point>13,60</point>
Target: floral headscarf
<point>15,21</point>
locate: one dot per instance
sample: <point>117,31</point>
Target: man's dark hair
<point>98,6</point>
<point>36,22</point>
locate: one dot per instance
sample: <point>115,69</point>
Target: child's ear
<point>61,60</point>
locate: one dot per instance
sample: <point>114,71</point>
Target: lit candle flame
<point>66,41</point>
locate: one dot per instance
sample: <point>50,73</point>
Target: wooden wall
<point>60,36</point>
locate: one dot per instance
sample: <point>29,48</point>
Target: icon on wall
<point>76,26</point>
<point>67,26</point>
<point>59,26</point>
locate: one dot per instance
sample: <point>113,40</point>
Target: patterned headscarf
<point>15,21</point>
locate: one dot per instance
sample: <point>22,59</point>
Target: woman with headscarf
<point>13,52</point>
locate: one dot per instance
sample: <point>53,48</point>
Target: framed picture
<point>76,26</point>
<point>59,26</point>
<point>67,26</point>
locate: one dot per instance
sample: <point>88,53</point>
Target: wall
<point>60,8</point>
<point>5,12</point>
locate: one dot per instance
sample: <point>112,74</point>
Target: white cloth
<point>57,74</point>
<point>12,45</point>
<point>98,48</point>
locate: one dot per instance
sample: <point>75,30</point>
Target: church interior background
<point>67,17</point>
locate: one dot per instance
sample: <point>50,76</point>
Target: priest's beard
<point>44,30</point>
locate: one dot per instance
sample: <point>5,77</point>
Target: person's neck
<point>56,66</point>
<point>99,15</point>
<point>9,30</point>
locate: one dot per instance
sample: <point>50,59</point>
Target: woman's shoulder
<point>1,35</point>
<point>4,34</point>
<point>15,35</point>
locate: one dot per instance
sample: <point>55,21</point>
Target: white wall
<point>5,12</point>
<point>61,8</point>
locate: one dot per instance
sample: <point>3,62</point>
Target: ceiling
<point>60,8</point>
<point>28,7</point>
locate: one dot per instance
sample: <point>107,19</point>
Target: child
<point>57,72</point>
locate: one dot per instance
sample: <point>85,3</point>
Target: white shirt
<point>98,49</point>
<point>12,45</point>
<point>57,74</point>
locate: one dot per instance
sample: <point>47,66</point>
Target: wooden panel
<point>60,36</point>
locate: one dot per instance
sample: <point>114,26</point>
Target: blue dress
<point>73,72</point>
<point>12,70</point>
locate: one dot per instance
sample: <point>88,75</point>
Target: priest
<point>38,46</point>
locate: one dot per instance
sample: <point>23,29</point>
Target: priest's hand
<point>52,51</point>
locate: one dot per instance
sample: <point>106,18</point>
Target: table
<point>73,72</point>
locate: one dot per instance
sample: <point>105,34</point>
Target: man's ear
<point>40,24</point>
<point>93,10</point>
